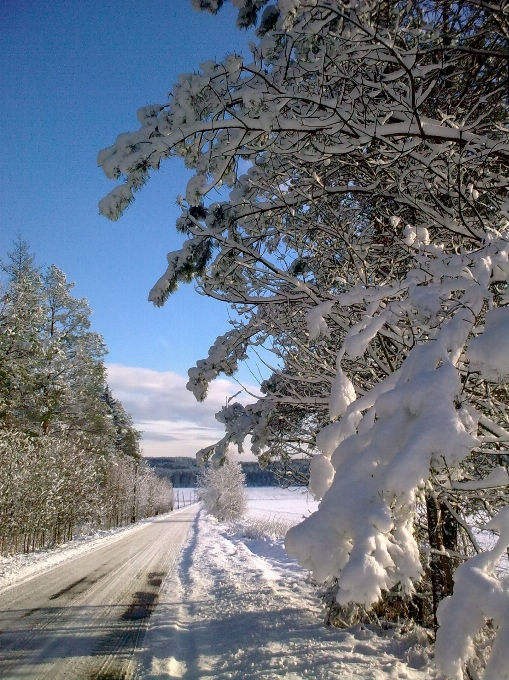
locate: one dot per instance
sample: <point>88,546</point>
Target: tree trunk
<point>450,540</point>
<point>442,533</point>
<point>135,494</point>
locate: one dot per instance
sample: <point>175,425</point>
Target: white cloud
<point>173,422</point>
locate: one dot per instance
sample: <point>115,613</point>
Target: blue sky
<point>72,75</point>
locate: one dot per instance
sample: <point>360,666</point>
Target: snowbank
<point>239,607</point>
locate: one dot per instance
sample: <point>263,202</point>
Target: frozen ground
<point>238,607</point>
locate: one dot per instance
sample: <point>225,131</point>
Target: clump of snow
<point>359,337</point>
<point>329,437</point>
<point>321,475</point>
<point>315,319</point>
<point>414,236</point>
<point>489,352</point>
<point>342,392</point>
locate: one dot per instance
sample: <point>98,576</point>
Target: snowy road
<point>84,618</point>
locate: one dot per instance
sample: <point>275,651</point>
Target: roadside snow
<point>22,567</point>
<point>239,607</point>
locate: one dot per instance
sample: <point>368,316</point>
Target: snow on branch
<point>365,244</point>
<point>479,595</point>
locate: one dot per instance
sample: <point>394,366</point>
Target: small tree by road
<point>222,490</point>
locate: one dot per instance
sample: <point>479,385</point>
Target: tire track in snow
<point>84,618</point>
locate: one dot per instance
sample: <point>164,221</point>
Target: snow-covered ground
<point>290,504</point>
<point>184,496</point>
<point>239,607</point>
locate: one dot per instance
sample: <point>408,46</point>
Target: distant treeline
<point>183,472</point>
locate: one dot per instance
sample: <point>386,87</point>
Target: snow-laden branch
<point>366,247</point>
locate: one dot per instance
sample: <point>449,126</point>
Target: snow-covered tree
<point>222,490</point>
<point>22,321</point>
<point>69,453</point>
<point>367,247</point>
<point>127,437</point>
<point>72,375</point>
<point>51,362</point>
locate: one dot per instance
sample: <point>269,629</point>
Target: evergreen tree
<point>72,379</point>
<point>127,438</point>
<point>22,322</point>
<point>69,453</point>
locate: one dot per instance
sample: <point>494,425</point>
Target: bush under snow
<point>222,490</point>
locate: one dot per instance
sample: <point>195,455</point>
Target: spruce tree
<point>22,322</point>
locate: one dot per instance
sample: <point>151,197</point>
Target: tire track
<point>85,618</point>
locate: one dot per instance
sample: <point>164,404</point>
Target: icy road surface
<point>84,618</point>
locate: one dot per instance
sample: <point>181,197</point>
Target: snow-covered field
<point>184,496</point>
<point>291,504</point>
<point>239,607</point>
